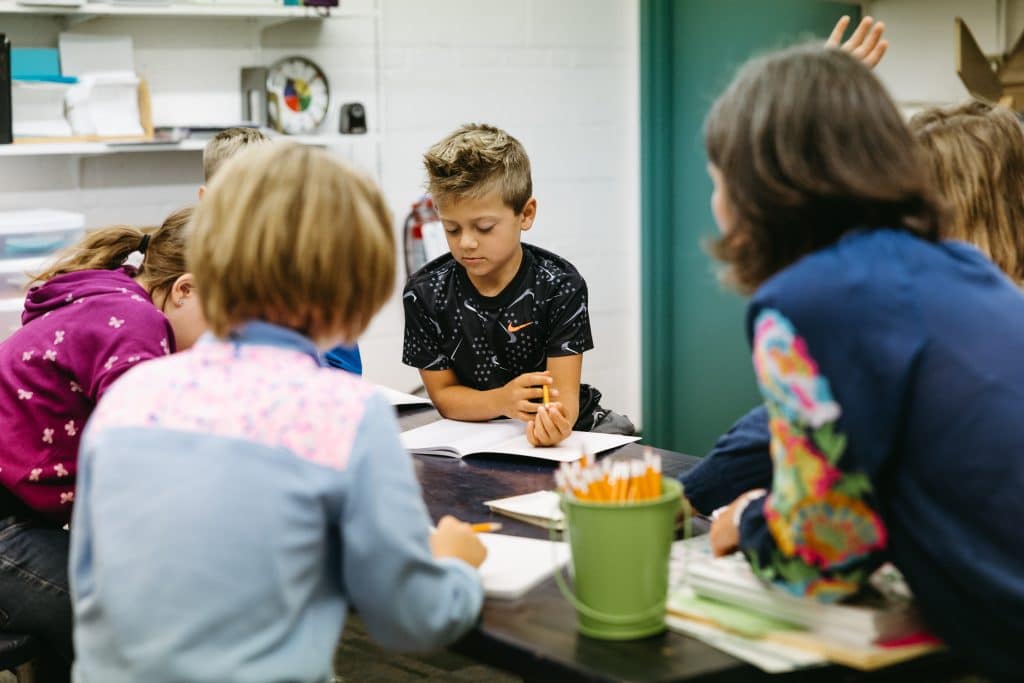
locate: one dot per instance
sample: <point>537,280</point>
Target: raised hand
<point>866,44</point>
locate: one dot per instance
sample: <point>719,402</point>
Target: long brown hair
<point>976,156</point>
<point>811,146</point>
<point>107,249</point>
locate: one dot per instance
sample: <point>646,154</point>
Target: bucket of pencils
<point>620,519</point>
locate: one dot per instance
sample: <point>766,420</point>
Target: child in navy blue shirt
<point>889,361</point>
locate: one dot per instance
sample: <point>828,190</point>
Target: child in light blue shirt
<point>234,502</point>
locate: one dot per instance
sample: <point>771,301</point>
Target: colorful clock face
<point>297,95</point>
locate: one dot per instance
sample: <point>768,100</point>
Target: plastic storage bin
<point>28,242</point>
<point>37,232</point>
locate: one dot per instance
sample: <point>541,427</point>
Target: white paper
<point>514,565</point>
<point>540,507</point>
<point>399,398</point>
<point>105,104</point>
<point>37,109</point>
<point>770,657</point>
<point>82,53</point>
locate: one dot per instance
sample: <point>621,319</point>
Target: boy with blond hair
<point>497,326</point>
<point>274,493</point>
<point>218,150</point>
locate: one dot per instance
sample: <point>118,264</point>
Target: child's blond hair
<point>475,160</point>
<point>976,154</point>
<point>288,235</point>
<point>225,145</point>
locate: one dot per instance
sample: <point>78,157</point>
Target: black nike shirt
<point>490,340</point>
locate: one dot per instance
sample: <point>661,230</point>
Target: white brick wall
<point>561,76</point>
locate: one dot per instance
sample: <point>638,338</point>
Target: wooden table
<point>536,636</point>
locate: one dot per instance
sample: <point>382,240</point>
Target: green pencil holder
<point>620,556</point>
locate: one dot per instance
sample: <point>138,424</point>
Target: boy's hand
<point>550,427</point>
<point>866,43</point>
<point>457,539</point>
<point>518,394</point>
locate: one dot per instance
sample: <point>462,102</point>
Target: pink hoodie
<point>81,331</point>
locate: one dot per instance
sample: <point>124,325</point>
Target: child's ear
<point>202,191</point>
<point>528,215</point>
<point>183,287</point>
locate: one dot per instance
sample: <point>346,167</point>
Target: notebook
<point>540,508</point>
<point>514,565</point>
<point>456,439</point>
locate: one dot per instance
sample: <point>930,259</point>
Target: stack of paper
<point>871,618</point>
<point>721,601</point>
<point>540,508</point>
<point>106,100</point>
<point>37,109</point>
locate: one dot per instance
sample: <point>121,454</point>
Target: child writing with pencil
<point>225,524</point>
<point>889,361</point>
<point>497,325</point>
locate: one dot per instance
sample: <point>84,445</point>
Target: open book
<point>514,565</point>
<point>457,439</point>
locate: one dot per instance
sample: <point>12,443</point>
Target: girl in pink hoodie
<point>89,319</point>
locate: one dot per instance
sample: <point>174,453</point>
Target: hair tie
<point>143,244</point>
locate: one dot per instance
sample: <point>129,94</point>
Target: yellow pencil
<point>547,396</point>
<point>486,526</point>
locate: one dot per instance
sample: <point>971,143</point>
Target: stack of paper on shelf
<point>37,109</point>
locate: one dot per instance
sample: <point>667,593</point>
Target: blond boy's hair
<point>288,235</point>
<point>976,155</point>
<point>475,160</point>
<point>225,145</point>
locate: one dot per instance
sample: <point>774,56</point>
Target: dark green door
<point>696,362</point>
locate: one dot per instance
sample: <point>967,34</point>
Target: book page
<point>569,450</point>
<point>461,438</point>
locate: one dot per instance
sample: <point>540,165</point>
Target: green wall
<point>697,376</point>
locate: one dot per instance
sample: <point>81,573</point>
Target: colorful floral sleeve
<point>816,533</point>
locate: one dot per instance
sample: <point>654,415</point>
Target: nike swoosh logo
<point>512,329</point>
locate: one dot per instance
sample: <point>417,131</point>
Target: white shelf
<point>102,148</point>
<point>91,10</point>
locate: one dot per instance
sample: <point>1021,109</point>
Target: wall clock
<point>297,96</point>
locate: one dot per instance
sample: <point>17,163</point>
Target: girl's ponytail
<point>103,249</point>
